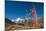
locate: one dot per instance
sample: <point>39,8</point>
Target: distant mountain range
<point>21,21</point>
<point>8,21</point>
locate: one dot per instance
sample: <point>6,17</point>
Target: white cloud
<point>17,19</point>
<point>12,20</point>
<point>20,20</point>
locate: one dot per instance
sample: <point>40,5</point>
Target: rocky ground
<point>18,27</point>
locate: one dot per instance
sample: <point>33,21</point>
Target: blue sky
<point>14,9</point>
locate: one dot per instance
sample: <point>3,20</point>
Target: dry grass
<point>18,27</point>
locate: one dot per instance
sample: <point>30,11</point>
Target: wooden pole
<point>35,17</point>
